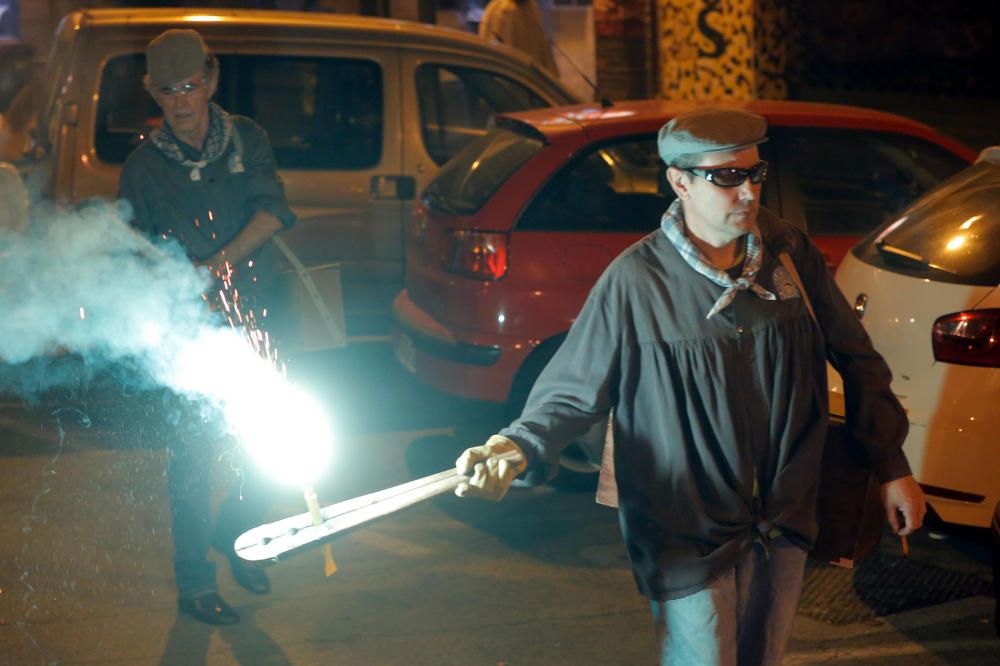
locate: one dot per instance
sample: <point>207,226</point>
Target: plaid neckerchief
<point>672,225</point>
<point>220,131</point>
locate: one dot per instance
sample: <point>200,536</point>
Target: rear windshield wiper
<point>438,202</point>
<point>897,254</point>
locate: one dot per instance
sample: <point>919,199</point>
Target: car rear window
<point>849,181</point>
<point>614,186</point>
<point>950,235</point>
<point>465,183</point>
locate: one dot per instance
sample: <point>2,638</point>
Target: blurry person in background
<point>208,180</point>
<point>19,119</point>
<point>20,97</point>
<point>17,67</point>
<point>518,23</point>
<point>13,204</point>
<point>471,13</point>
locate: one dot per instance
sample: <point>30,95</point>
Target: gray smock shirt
<point>706,407</point>
<point>206,214</point>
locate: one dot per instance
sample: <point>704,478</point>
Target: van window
<point>456,103</point>
<point>850,181</point>
<point>320,113</point>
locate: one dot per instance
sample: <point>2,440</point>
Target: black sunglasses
<point>731,176</point>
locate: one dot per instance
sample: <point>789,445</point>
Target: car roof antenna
<point>605,102</point>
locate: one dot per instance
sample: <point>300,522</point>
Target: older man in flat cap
<point>208,180</point>
<point>700,341</point>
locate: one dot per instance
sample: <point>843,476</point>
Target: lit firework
<point>280,425</point>
<point>301,429</point>
<point>108,293</point>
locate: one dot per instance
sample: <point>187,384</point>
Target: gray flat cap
<point>710,130</point>
<point>174,55</point>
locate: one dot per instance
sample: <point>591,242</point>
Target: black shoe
<point>209,608</point>
<point>249,577</point>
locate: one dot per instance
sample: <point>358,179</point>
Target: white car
<point>925,287</point>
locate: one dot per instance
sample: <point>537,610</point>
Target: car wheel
<point>583,456</point>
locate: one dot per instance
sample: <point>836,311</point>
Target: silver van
<point>361,113</point>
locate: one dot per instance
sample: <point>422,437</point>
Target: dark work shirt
<point>204,215</point>
<point>704,407</point>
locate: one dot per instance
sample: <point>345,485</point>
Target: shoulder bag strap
<point>789,265</point>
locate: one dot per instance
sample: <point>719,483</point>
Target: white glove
<point>492,468</point>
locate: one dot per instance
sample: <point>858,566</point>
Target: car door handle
<point>393,187</point>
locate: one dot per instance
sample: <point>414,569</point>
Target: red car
<point>510,236</point>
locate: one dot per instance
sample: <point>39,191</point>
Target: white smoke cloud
<point>83,282</point>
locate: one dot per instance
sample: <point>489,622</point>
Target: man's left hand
<point>904,496</point>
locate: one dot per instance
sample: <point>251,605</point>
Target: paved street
<point>540,578</point>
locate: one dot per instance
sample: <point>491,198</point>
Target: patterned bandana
<point>672,225</point>
<point>220,131</point>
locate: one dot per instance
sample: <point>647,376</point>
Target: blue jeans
<point>743,617</point>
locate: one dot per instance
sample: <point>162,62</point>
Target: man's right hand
<point>491,467</point>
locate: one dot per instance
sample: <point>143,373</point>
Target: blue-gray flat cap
<point>710,130</point>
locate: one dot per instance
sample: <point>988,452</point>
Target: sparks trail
<point>48,473</point>
<point>242,315</point>
<point>232,302</point>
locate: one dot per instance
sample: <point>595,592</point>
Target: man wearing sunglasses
<point>700,341</point>
<point>207,180</point>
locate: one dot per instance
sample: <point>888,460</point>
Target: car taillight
<point>968,338</point>
<point>477,254</point>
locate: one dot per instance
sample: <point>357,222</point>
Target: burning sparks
<point>245,322</point>
<point>110,293</point>
<point>281,426</point>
